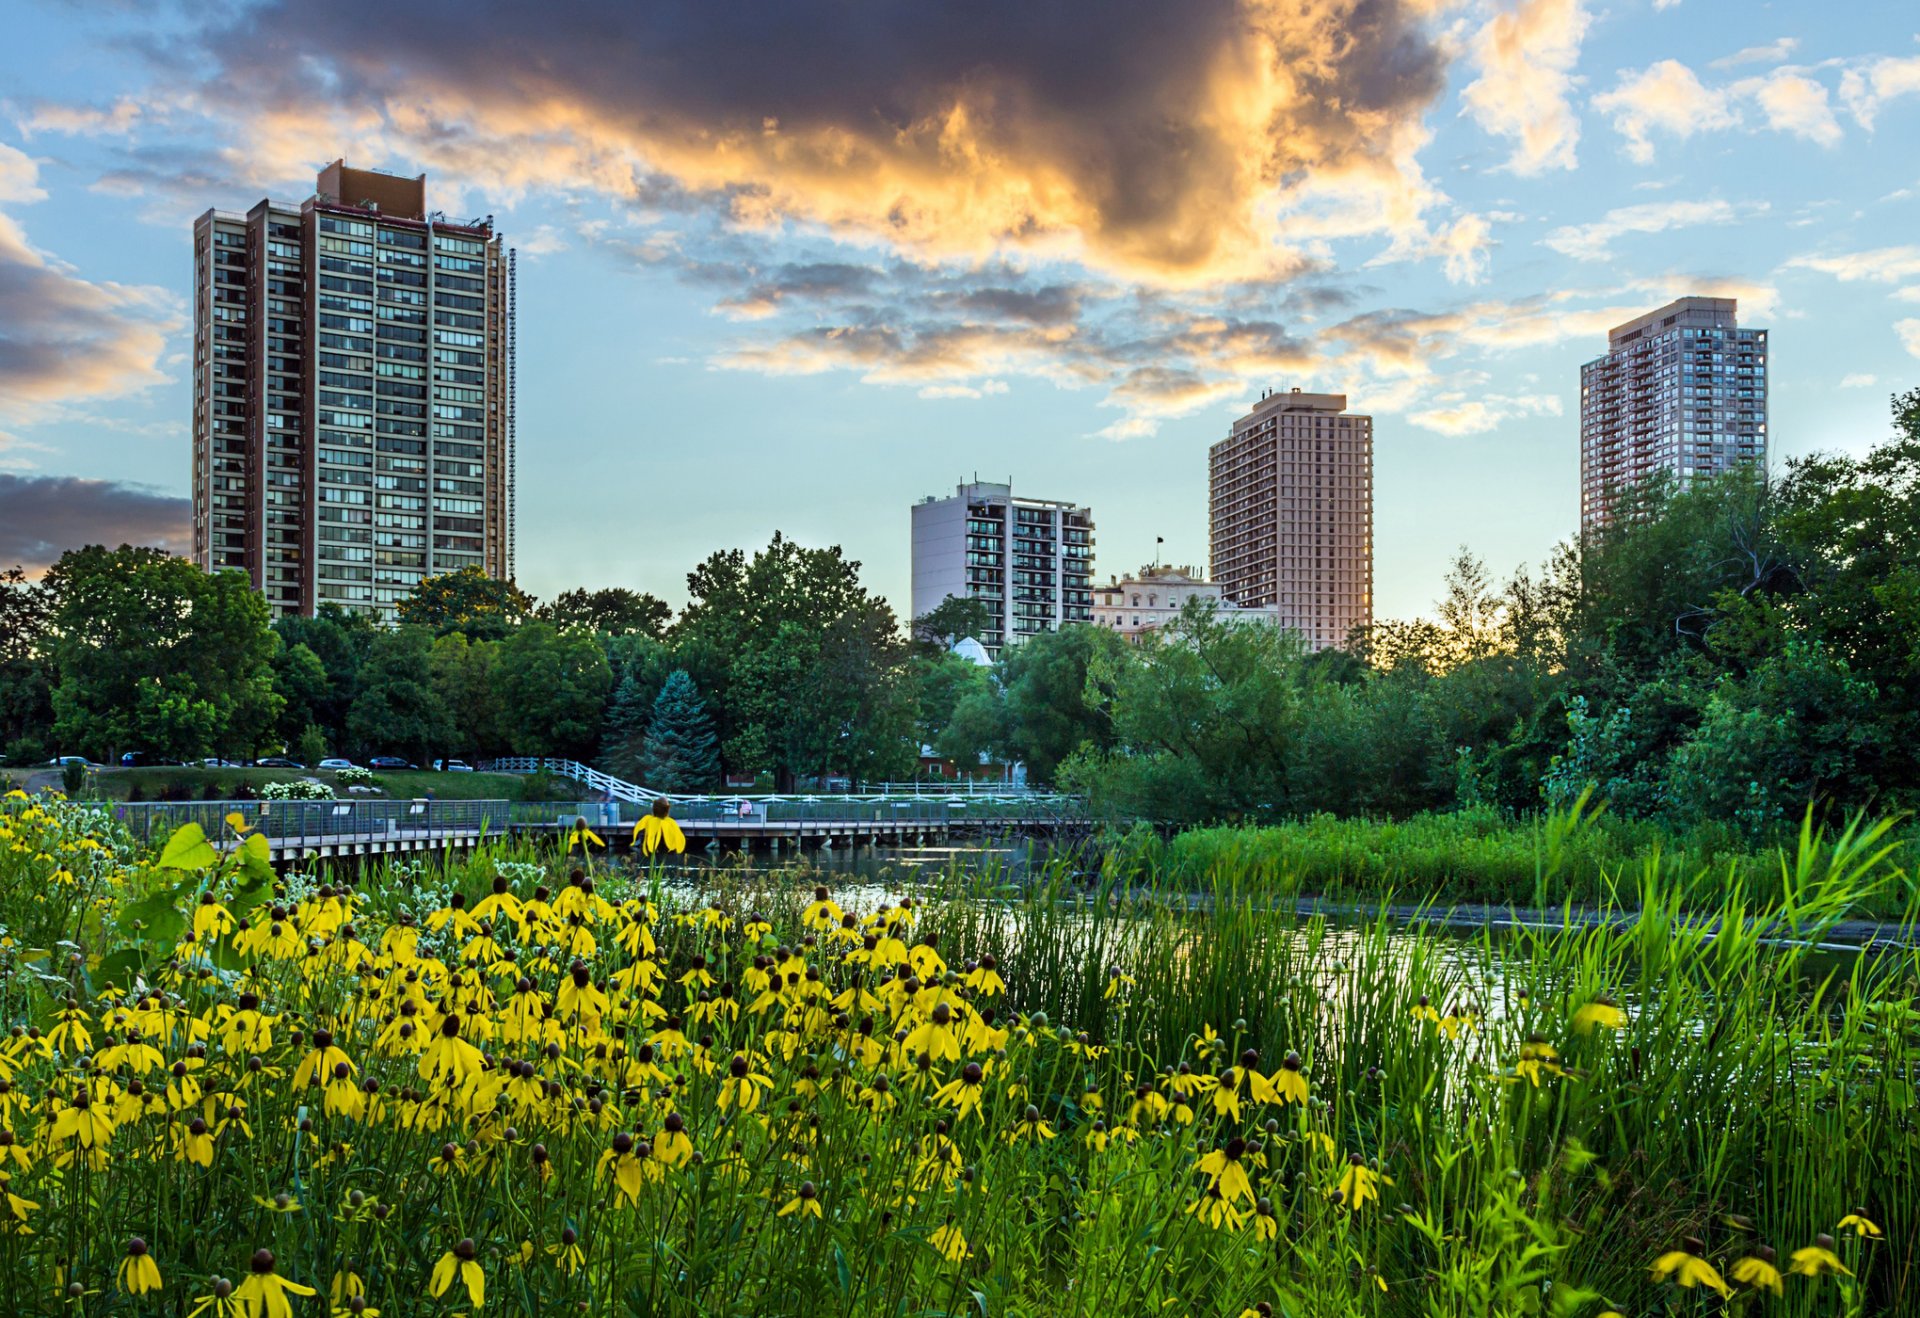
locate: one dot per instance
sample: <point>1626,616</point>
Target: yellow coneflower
<point>657,829</point>
<point>1226,1173</point>
<point>1687,1268</point>
<point>1359,1182</point>
<point>458,1264</point>
<point>806,1202</point>
<point>1029,1127</point>
<point>1757,1271</point>
<point>950,1244</point>
<point>581,836</point>
<point>264,1291</point>
<point>1858,1223</point>
<point>1601,1013</point>
<point>138,1272</point>
<point>1818,1260</point>
<point>1290,1082</point>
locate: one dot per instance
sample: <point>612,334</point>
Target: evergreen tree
<point>682,754</point>
<point>623,736</point>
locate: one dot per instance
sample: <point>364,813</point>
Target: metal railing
<point>961,792</point>
<point>715,815</point>
<point>315,823</point>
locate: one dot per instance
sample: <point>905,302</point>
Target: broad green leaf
<point>188,849</point>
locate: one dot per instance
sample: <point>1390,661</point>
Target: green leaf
<point>188,849</point>
<point>156,918</point>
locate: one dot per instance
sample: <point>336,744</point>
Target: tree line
<point>1730,652</point>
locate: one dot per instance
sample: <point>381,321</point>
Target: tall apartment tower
<point>1291,503</point>
<point>1030,560</point>
<point>353,409</point>
<point>1682,390</point>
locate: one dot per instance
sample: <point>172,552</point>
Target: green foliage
<point>681,752</point>
<point>550,687</point>
<point>301,682</point>
<point>951,621</point>
<point>485,608</point>
<point>310,747</point>
<point>398,710</point>
<point>73,778</point>
<point>464,674</point>
<point>612,612</point>
<point>154,654</point>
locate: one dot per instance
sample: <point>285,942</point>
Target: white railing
<point>619,789</point>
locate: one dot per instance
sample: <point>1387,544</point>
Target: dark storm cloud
<point>41,517</point>
<point>1141,131</point>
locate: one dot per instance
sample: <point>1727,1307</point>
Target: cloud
<point>1909,333</point>
<point>19,176</point>
<point>1859,380</point>
<point>1458,415</point>
<point>1172,143</point>
<point>1867,89</point>
<point>65,338</point>
<point>42,517</point>
<point>1665,97</point>
<point>1590,242</point>
<point>1794,104</point>
<point>1526,56</point>
<point>1774,52</point>
<point>1883,265</point>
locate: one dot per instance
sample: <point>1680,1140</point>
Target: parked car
<point>215,762</point>
<point>277,762</point>
<point>336,763</point>
<point>389,762</point>
<point>61,761</point>
<point>142,760</point>
<point>453,766</point>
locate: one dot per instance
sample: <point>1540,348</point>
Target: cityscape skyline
<point>1449,269</point>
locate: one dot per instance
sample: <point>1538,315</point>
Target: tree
<point>485,608</point>
<point>943,681</point>
<point>154,654</point>
<point>623,733</point>
<point>951,621</point>
<point>615,611</point>
<point>1204,715</point>
<point>464,674</point>
<point>340,638</point>
<point>552,687</point>
<point>26,696</point>
<point>300,680</point>
<point>398,710</point>
<point>1048,712</point>
<point>682,754</point>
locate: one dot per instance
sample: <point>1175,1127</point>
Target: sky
<point>793,266</point>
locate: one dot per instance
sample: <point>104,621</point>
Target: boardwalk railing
<point>315,823</point>
<point>961,793</point>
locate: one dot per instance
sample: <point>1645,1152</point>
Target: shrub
<point>356,776</point>
<point>301,789</point>
<point>73,777</point>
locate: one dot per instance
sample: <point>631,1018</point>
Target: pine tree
<point>623,736</point>
<point>681,754</point>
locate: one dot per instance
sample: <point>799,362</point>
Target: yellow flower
<point>458,1263</point>
<point>947,1239</point>
<point>138,1272</point>
<point>803,1203</point>
<point>1601,1013</point>
<point>1818,1260</point>
<point>1758,1272</point>
<point>1689,1269</point>
<point>264,1293</point>
<point>1289,1082</point>
<point>580,836</point>
<point>1117,983</point>
<point>1030,1127</point>
<point>1358,1183</point>
<point>1226,1173</point>
<point>657,828</point>
<point>1858,1223</point>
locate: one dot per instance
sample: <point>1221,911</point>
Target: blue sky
<point>783,270</point>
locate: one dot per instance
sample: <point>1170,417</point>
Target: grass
<point>214,784</point>
<point>1467,1148</point>
<point>1584,856</point>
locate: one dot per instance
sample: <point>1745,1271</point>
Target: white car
<point>336,764</point>
<point>453,766</point>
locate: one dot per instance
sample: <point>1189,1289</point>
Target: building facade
<point>1145,601</point>
<point>1291,511</point>
<point>353,409</point>
<point>1029,560</point>
<point>1681,390</point>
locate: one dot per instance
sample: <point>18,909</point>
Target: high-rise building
<point>1682,390</point>
<point>353,408</point>
<point>1291,502</point>
<point>1029,560</point>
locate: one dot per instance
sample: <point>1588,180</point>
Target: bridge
<point>898,815</point>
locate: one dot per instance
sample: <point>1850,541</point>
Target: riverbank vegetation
<point>491,1085</point>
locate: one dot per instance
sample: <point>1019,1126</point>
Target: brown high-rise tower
<point>353,410</point>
